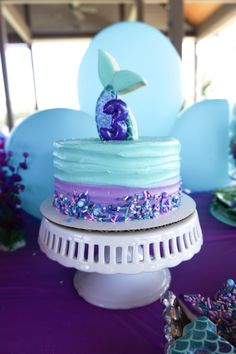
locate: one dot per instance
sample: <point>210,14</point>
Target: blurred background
<point>42,43</point>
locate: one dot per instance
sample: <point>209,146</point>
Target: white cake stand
<point>120,267</point>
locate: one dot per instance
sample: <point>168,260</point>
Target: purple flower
<point>21,187</point>
<point>23,165</point>
<point>10,188</point>
<point>2,143</point>
<point>11,168</point>
<point>2,155</point>
<point>15,177</point>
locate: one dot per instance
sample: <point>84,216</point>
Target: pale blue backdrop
<point>203,130</point>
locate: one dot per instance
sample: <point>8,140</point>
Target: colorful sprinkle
<point>221,310</point>
<point>140,206</point>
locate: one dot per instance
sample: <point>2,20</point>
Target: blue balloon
<point>203,132</point>
<point>143,49</point>
<point>36,135</point>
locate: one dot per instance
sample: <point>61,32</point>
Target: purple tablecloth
<point>41,313</point>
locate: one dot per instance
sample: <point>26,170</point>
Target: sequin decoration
<point>103,120</point>
<point>140,206</point>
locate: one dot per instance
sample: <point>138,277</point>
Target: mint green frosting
<point>142,163</point>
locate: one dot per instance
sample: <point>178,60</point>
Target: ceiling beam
<point>140,13</point>
<point>87,2</point>
<point>59,2</point>
<point>217,21</point>
<point>176,20</point>
<point>121,10</point>
<point>17,22</point>
<point>59,36</point>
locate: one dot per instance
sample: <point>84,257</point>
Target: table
<point>41,313</point>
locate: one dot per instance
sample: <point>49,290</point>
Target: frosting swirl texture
<point>143,163</point>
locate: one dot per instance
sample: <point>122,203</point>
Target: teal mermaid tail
<point>114,119</point>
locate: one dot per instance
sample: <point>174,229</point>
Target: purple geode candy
<point>118,111</point>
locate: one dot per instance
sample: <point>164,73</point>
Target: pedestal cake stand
<point>121,265</point>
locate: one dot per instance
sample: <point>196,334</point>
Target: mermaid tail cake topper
<point>114,119</point>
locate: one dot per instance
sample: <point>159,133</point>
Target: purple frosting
<point>114,203</point>
<point>108,194</point>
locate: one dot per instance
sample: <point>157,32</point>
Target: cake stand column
<point>122,291</point>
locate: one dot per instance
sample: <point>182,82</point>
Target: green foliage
<point>206,84</point>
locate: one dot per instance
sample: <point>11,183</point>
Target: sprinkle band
<point>139,206</point>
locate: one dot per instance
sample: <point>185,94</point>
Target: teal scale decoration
<point>200,337</point>
<point>114,119</point>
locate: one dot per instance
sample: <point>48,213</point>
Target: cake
<point>118,176</point>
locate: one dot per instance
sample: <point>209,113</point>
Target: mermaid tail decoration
<point>114,119</point>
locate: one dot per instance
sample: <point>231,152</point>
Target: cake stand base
<point>122,291</point>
